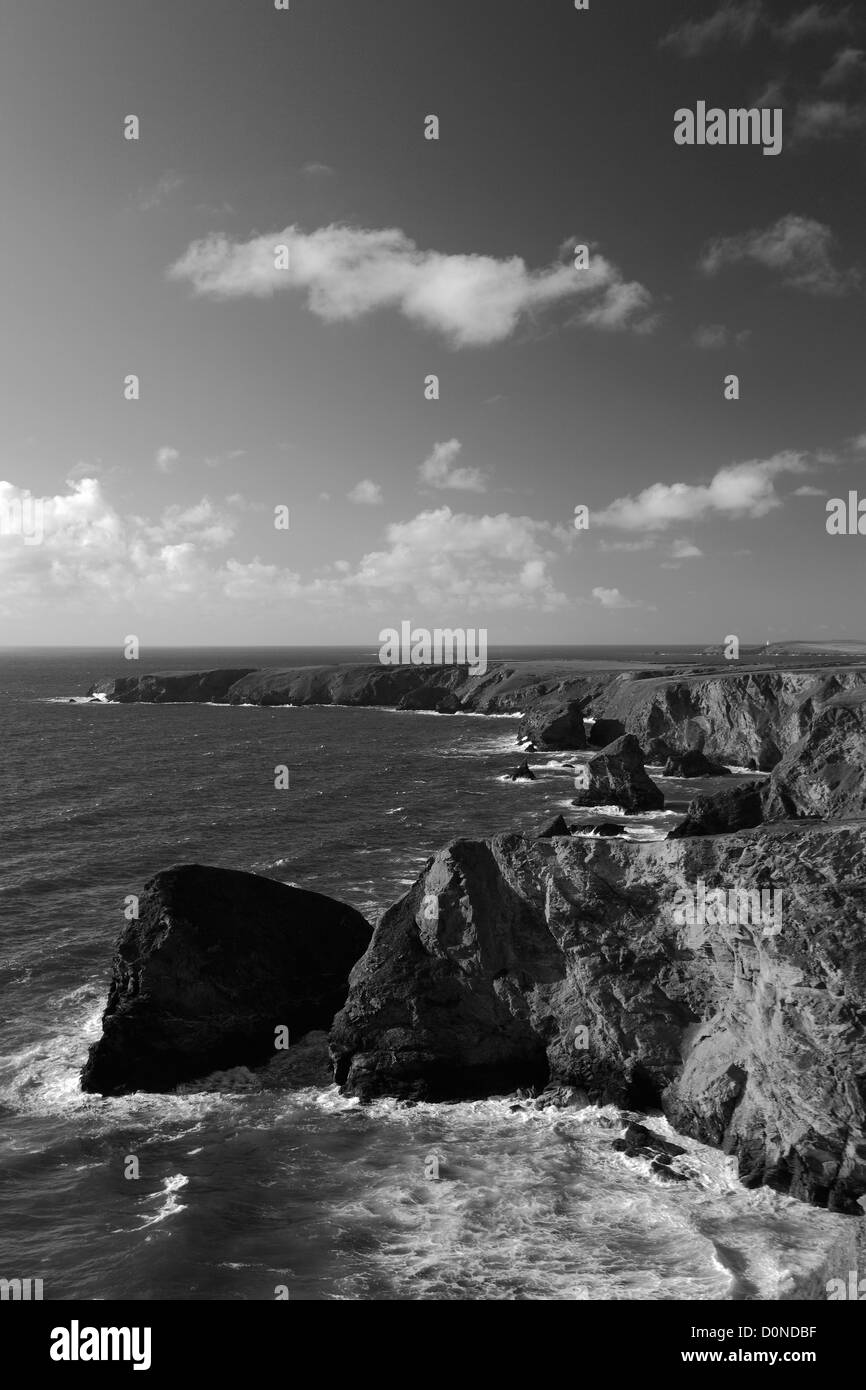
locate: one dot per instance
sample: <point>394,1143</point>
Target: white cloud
<point>612,598</point>
<point>809,492</point>
<point>366,494</point>
<point>813,20</point>
<point>438,470</point>
<point>712,335</point>
<point>315,170</point>
<point>165,458</point>
<point>685,550</point>
<point>648,543</point>
<point>739,490</point>
<point>849,63</point>
<point>798,248</point>
<point>347,273</point>
<point>859,442</point>
<point>733,22</point>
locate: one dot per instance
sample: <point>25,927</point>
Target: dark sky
<point>305,388</point>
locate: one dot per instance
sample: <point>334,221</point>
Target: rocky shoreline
<point>560,964</point>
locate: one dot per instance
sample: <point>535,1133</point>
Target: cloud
<point>798,248</point>
<point>165,458</point>
<point>712,335</point>
<point>813,20</point>
<point>366,494</point>
<point>157,193</point>
<point>822,120</point>
<point>314,170</point>
<point>438,470</point>
<point>738,490</point>
<point>347,273</point>
<point>849,63</point>
<point>612,598</point>
<point>685,550</point>
<point>859,441</point>
<point>810,492</point>
<point>733,23</point>
<point>648,543</point>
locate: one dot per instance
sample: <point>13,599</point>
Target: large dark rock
<point>735,808</point>
<point>617,778</point>
<point>559,725</point>
<point>564,962</point>
<point>694,763</point>
<point>604,731</point>
<point>215,963</point>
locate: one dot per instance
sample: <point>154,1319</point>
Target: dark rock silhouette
<point>693,763</point>
<point>215,963</point>
<point>735,808</point>
<point>556,827</point>
<point>523,773</point>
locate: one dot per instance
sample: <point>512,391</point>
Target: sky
<point>283,260</point>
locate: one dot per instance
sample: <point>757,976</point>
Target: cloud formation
<point>165,458</point>
<point>438,470</point>
<point>347,273</point>
<point>799,249</point>
<point>739,21</point>
<point>739,490</point>
<point>366,494</point>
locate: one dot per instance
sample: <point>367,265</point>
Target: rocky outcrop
<point>693,763</point>
<point>434,698</point>
<point>824,773</point>
<point>605,731</point>
<point>523,773</point>
<point>171,687</point>
<point>216,962</point>
<point>556,827</point>
<point>571,962</point>
<point>617,777</point>
<point>735,808</point>
<point>557,726</point>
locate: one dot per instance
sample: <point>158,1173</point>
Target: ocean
<point>264,1181</point>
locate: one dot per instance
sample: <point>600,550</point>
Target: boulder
<point>606,828</point>
<point>523,773</point>
<point>217,961</point>
<point>562,962</point>
<point>555,726</point>
<point>556,827</point>
<point>617,778</point>
<point>693,763</point>
<point>735,808</point>
<point>604,731</point>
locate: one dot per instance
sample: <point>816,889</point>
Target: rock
<point>215,963</point>
<point>693,763</point>
<point>523,773</point>
<point>824,773</point>
<point>606,828</point>
<point>556,827</point>
<point>735,808</point>
<point>175,687</point>
<point>749,1042</point>
<point>605,731</point>
<point>640,1142</point>
<point>556,726</point>
<point>431,697</point>
<point>617,778</point>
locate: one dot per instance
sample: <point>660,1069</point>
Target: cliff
<point>486,973</point>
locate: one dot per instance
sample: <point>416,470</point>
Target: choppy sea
<point>266,1180</point>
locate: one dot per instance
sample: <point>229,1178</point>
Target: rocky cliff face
<point>515,961</point>
<point>217,961</point>
<point>178,687</point>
